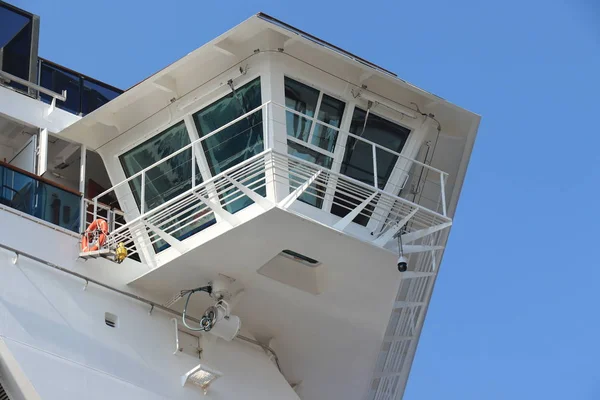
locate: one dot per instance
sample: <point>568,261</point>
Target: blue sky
<point>515,310</point>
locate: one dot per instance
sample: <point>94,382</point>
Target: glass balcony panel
<point>57,80</point>
<point>95,96</point>
<point>39,198</point>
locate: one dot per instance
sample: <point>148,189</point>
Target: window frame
<point>315,120</point>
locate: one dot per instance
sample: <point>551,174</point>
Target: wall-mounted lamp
<point>202,376</point>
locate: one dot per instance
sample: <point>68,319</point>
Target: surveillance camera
<point>402,263</point>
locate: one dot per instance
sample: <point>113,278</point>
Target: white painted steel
<point>272,171</point>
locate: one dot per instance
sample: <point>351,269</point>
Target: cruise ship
<point>264,218</point>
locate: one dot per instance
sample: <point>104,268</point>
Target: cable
<point>369,105</point>
<point>208,319</point>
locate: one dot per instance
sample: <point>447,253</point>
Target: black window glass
<point>358,158</point>
<point>57,80</point>
<point>301,98</point>
<point>330,112</point>
<point>238,142</point>
<point>15,44</point>
<point>12,24</point>
<point>95,96</point>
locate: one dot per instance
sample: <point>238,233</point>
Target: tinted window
<point>84,95</point>
<point>57,80</point>
<point>166,180</point>
<point>238,142</point>
<point>358,158</point>
<point>15,43</point>
<point>95,96</point>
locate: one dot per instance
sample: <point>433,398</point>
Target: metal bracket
<point>290,198</point>
<point>344,222</point>
<point>175,243</point>
<point>412,236</point>
<point>177,348</point>
<point>390,233</point>
<point>258,199</point>
<point>217,209</point>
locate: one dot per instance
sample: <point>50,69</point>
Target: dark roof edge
<point>323,43</point>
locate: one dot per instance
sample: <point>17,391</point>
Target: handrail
<point>203,138</point>
<point>264,106</point>
<point>238,119</point>
<point>203,184</point>
<point>10,77</point>
<point>364,185</point>
<point>39,178</point>
<point>291,157</point>
<point>360,138</point>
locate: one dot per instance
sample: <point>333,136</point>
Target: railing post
<point>83,211</point>
<point>95,208</point>
<point>374,166</point>
<point>266,130</point>
<point>443,189</point>
<point>194,165</point>
<point>110,214</point>
<point>143,192</point>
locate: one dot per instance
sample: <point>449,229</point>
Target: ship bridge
<point>320,185</point>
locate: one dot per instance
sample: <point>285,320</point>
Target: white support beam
<point>217,209</point>
<point>407,304</point>
<point>364,76</point>
<point>389,234</point>
<point>386,374</point>
<point>344,222</point>
<point>166,84</point>
<point>83,211</point>
<point>290,198</point>
<point>226,47</point>
<point>258,199</point>
<point>52,107</point>
<point>290,40</point>
<point>397,338</point>
<point>419,248</point>
<point>416,274</point>
<point>43,152</point>
<point>175,243</point>
<point>65,153</point>
<point>412,236</point>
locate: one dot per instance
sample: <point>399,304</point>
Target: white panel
<point>25,158</point>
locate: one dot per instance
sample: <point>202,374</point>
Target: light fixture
<point>202,376</point>
<point>394,107</point>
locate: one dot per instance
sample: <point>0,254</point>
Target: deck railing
<point>39,197</point>
<point>271,177</point>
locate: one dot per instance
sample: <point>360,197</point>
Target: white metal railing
<point>271,176</point>
<point>6,77</point>
<point>410,178</point>
<point>114,216</point>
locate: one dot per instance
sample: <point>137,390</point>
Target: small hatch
<point>301,258</point>
<point>111,320</point>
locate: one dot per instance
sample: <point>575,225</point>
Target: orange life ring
<point>98,225</point>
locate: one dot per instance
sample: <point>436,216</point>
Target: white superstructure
<point>303,192</point>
